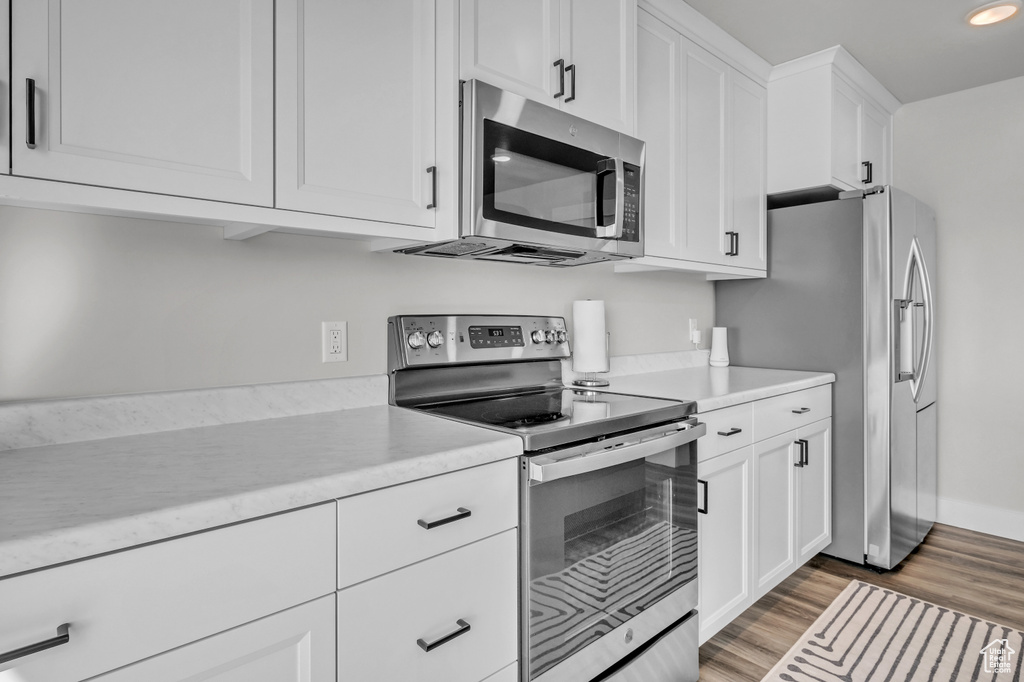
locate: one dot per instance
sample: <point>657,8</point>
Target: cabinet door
<point>512,45</point>
<point>747,212</point>
<point>723,553</point>
<point>597,39</point>
<point>875,144</point>
<point>814,491</point>
<point>704,181</point>
<point>659,124</point>
<point>358,107</point>
<point>846,127</point>
<point>775,462</point>
<point>296,645</point>
<point>174,98</point>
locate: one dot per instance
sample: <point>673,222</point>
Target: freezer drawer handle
<point>463,629</point>
<point>804,458</point>
<point>461,513</point>
<point>731,432</point>
<point>802,410</point>
<point>63,637</point>
<point>705,485</point>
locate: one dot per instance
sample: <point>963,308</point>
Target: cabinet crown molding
<point>848,66</point>
<point>709,35</point>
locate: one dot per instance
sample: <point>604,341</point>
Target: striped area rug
<point>871,633</point>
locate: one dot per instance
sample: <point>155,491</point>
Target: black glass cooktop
<point>562,416</point>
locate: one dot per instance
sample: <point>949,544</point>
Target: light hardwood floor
<point>978,574</point>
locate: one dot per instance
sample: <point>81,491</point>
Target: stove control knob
<point>561,336</point>
<point>549,337</point>
<point>417,340</point>
<point>435,339</point>
<point>537,336</point>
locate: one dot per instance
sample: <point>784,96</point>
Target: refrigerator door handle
<point>929,312</point>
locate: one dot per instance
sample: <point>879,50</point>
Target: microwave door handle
<point>544,469</point>
<point>614,230</point>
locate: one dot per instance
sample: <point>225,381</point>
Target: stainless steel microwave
<point>542,186</point>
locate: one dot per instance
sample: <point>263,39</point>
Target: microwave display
<point>536,182</point>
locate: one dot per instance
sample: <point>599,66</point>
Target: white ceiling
<point>916,48</point>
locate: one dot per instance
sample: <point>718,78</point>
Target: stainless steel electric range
<point>608,515</point>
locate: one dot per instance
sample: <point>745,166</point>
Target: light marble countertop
<point>65,502</point>
<point>717,387</point>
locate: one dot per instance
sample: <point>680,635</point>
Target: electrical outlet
<point>335,341</point>
<point>694,332</point>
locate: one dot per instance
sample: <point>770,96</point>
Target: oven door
<point>609,550</point>
<point>541,176</point>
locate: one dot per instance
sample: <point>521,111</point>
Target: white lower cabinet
<point>296,645</point>
<point>768,505</point>
<point>128,606</point>
<point>453,617</point>
<point>723,549</point>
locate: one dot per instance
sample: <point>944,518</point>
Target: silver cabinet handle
<point>30,113</point>
<point>802,410</point>
<point>731,432</point>
<point>63,637</point>
<point>463,628</point>
<point>460,513</point>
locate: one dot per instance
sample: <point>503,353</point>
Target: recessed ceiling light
<point>993,12</point>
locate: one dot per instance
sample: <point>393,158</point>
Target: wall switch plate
<point>335,341</point>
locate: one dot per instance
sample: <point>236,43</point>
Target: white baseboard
<point>1005,523</point>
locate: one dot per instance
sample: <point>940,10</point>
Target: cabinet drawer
<point>383,624</point>
<point>782,413</point>
<point>728,428</point>
<point>296,645</point>
<point>127,606</point>
<point>382,530</point>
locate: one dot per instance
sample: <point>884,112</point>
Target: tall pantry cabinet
<point>170,98</point>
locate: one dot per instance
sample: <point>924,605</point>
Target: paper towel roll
<point>719,347</point>
<point>589,351</point>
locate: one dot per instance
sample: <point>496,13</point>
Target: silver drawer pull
<point>460,513</point>
<point>731,432</point>
<point>63,637</point>
<point>463,629</point>
<point>802,410</point>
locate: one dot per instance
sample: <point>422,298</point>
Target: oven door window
<point>606,545</point>
<point>536,182</point>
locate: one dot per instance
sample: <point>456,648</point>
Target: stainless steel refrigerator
<point>850,290</point>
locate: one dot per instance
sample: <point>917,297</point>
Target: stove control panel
<point>419,340</point>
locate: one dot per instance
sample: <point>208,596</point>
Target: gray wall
<point>964,155</point>
<point>93,305</point>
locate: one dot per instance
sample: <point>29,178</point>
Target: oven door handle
<point>544,468</point>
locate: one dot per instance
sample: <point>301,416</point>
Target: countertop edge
<point>740,397</point>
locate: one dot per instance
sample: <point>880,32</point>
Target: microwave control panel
<point>631,205</point>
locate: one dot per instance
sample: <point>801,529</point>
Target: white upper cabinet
<point>704,124</point>
<point>367,99</point>
<point>829,123</point>
<point>577,55</point>
<point>170,98</point>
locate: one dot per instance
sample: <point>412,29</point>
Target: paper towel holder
<point>590,379</point>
